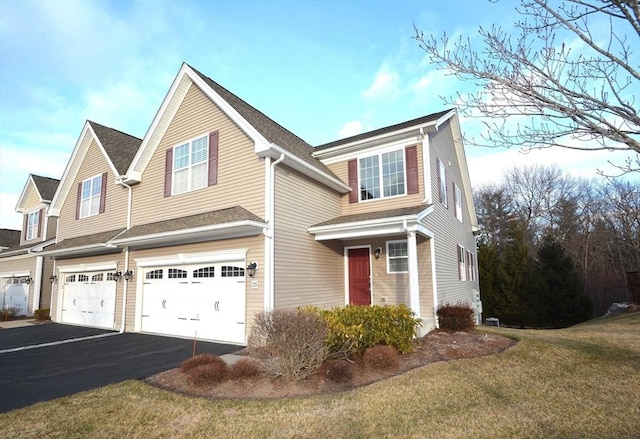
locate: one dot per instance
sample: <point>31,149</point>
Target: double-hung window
<point>32,225</point>
<point>397,257</point>
<point>382,175</point>
<point>457,198</point>
<point>90,196</point>
<point>190,165</point>
<point>461,264</point>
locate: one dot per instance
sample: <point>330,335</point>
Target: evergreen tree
<point>561,301</point>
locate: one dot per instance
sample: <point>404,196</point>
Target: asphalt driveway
<point>46,370</point>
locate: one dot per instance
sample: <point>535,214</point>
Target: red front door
<point>359,276</point>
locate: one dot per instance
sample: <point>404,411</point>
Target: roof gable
<point>117,148</point>
<point>270,138</point>
<point>45,188</point>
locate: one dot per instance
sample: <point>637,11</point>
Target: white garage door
<point>206,301</point>
<point>89,299</point>
<point>16,295</point>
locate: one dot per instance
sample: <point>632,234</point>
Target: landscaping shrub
<point>353,329</point>
<point>338,371</point>
<point>381,357</point>
<point>198,360</point>
<point>244,369</point>
<point>290,342</point>
<point>208,373</point>
<point>9,313</point>
<point>42,314</point>
<point>456,317</point>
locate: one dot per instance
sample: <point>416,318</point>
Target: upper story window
<point>91,194</point>
<point>387,174</point>
<point>33,222</point>
<point>457,198</point>
<point>461,263</point>
<point>442,183</point>
<point>191,165</point>
<point>397,257</point>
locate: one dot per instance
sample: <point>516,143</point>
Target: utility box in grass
<point>492,321</point>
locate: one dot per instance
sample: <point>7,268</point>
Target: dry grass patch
<point>579,382</point>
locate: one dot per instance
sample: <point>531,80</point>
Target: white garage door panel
<point>16,295</point>
<point>89,299</point>
<point>206,301</point>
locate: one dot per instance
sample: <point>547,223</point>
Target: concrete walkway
<point>17,323</point>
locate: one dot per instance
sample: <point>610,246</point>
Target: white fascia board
<point>275,151</point>
<point>193,258</point>
<point>15,274</point>
<point>77,251</point>
<point>235,229</point>
<point>464,170</point>
<point>70,171</point>
<point>97,266</point>
<point>380,227</point>
<point>40,247</point>
<point>20,205</point>
<point>363,143</point>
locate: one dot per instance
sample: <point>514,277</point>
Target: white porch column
<point>37,284</point>
<point>414,286</point>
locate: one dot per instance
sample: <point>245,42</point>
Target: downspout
<point>270,253</point>
<point>120,182</point>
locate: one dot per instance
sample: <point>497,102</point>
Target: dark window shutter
<point>411,155</point>
<point>168,169</point>
<point>25,225</point>
<point>78,200</point>
<point>213,158</point>
<point>103,192</point>
<point>352,167</point>
<point>40,216</point>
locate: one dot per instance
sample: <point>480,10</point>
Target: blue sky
<point>324,70</point>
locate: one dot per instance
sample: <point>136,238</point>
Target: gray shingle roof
<point>46,186</point>
<point>84,241</point>
<point>222,216</point>
<point>271,130</point>
<point>389,129</point>
<point>120,147</point>
<point>9,237</point>
<point>358,217</point>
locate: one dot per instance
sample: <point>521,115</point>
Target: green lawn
<point>581,382</point>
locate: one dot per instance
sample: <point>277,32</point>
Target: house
<point>24,275</point>
<point>219,213</point>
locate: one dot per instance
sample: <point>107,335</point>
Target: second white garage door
<point>89,299</point>
<point>206,301</point>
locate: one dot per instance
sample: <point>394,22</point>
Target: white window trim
<point>442,183</point>
<point>381,176</point>
<point>403,257</point>
<point>189,166</point>
<point>457,201</point>
<point>461,261</point>
<point>32,229</point>
<point>91,198</point>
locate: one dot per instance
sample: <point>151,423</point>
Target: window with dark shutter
<point>40,216</point>
<point>213,158</point>
<point>413,185</point>
<point>103,193</point>
<point>352,169</point>
<point>168,169</point>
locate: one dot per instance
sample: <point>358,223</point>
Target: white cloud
<point>350,129</point>
<point>9,219</point>
<point>385,85</point>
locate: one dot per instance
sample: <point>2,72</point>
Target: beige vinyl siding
<point>254,296</point>
<point>52,227</point>
<point>340,169</point>
<point>240,171</point>
<point>425,280</point>
<point>115,214</point>
<point>88,261</point>
<point>307,272</point>
<point>45,292</point>
<point>448,230</point>
<point>33,200</point>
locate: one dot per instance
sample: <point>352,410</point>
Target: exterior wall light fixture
<point>251,269</point>
<point>377,252</point>
<point>128,275</point>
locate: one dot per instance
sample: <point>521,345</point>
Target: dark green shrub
<point>338,371</point>
<point>244,369</point>
<point>456,317</point>
<point>42,314</point>
<point>381,358</point>
<point>291,343</point>
<point>352,329</point>
<point>198,360</point>
<point>208,373</point>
